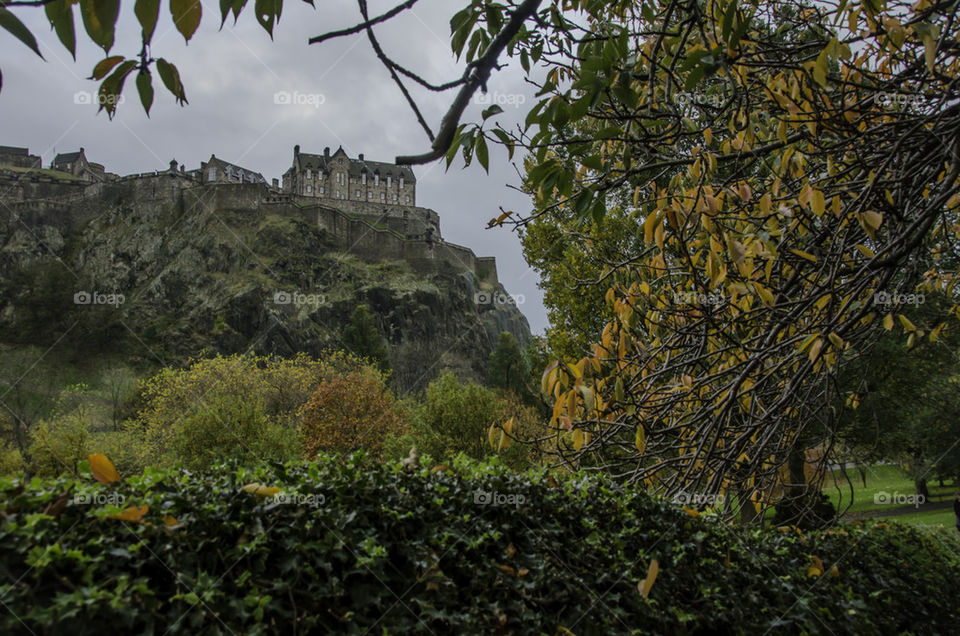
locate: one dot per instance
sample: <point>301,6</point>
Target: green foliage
<point>508,367</point>
<point>225,407</point>
<point>209,557</point>
<point>59,445</point>
<point>363,339</point>
<point>456,417</point>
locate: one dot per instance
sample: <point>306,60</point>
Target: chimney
<point>296,150</point>
<point>326,152</point>
<point>361,156</point>
<point>276,183</point>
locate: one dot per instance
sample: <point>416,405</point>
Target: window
<point>309,174</point>
<point>376,179</point>
<point>394,198</point>
<point>401,182</point>
<point>389,180</point>
<point>309,189</point>
<point>363,178</point>
<point>320,190</point>
<point>383,196</point>
<point>358,194</point>
<point>340,178</point>
<point>406,199</point>
<point>212,174</point>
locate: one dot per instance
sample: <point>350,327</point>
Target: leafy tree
<point>348,413</point>
<point>508,367</point>
<point>363,339</point>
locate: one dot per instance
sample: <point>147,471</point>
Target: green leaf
<point>99,20</point>
<point>186,16</point>
<point>18,29</point>
<point>490,112</point>
<point>483,155</point>
<point>171,79</point>
<point>145,89</point>
<point>104,66</point>
<point>147,12</point>
<point>112,87</point>
<point>268,14</point>
<point>60,15</point>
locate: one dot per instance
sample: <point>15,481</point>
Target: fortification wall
<point>372,232</point>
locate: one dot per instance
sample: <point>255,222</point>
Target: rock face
<point>164,284</point>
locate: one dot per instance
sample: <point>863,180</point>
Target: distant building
<point>76,164</point>
<point>339,177</point>
<point>219,171</point>
<point>18,157</point>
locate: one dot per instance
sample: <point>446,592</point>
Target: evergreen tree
<point>362,338</point>
<point>508,366</point>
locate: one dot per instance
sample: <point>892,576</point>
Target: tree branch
<point>366,24</point>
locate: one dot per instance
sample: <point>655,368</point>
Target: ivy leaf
<point>18,29</point>
<point>103,469</point>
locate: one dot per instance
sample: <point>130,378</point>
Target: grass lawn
<point>893,481</point>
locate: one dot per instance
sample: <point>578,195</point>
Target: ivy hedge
<point>350,547</point>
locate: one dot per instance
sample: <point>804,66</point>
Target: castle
<point>368,208</point>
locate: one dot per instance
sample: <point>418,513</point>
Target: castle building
<point>219,171</point>
<point>76,164</point>
<point>339,177</point>
<point>18,157</point>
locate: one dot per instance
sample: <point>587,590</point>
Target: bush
<point>348,413</point>
<point>481,550</point>
<point>59,445</point>
<point>456,417</point>
<point>241,406</point>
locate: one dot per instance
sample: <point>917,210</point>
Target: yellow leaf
<point>640,441</point>
<point>807,255</point>
<point>261,490</point>
<point>171,522</point>
<point>691,511</point>
<point>646,584</point>
<point>577,439</point>
<point>817,203</point>
<point>866,251</point>
<point>836,340</point>
<point>888,322</point>
<point>907,325</point>
<point>102,469</point>
<point>765,294</point>
<point>132,513</point>
<point>815,349</point>
<point>708,135</point>
<point>834,572</point>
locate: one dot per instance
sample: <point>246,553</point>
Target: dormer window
<point>401,182</point>
<point>363,178</point>
<point>389,180</point>
<point>376,179</point>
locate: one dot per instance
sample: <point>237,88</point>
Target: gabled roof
<point>67,157</point>
<point>232,169</point>
<point>356,167</point>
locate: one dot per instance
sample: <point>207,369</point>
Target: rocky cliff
<point>164,283</point>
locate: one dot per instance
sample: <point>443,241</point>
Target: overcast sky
<point>232,77</point>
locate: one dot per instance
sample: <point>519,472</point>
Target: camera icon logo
<point>483,497</point>
<point>282,97</point>
<point>282,298</point>
<point>82,298</point>
<point>82,97</point>
<point>482,298</point>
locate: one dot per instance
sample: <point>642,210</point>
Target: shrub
<point>59,445</point>
<point>456,417</point>
<point>241,406</point>
<point>482,550</point>
<point>348,413</point>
